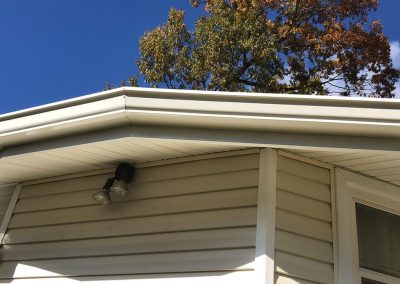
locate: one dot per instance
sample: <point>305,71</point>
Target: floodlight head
<point>102,196</point>
<point>123,175</point>
<point>119,187</point>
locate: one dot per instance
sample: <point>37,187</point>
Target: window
<point>378,234</point>
<point>368,223</point>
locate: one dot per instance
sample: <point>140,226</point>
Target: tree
<point>278,46</point>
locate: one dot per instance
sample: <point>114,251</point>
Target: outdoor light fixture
<point>102,196</point>
<point>117,185</point>
<point>123,176</point>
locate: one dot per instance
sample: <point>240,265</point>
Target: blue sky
<point>52,50</point>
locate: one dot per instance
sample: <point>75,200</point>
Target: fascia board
<point>202,105</point>
<point>85,117</point>
<point>208,110</point>
<point>63,104</point>
<point>263,116</point>
<point>364,102</point>
<point>257,139</point>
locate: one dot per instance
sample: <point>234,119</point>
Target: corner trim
<point>9,212</point>
<point>266,206</point>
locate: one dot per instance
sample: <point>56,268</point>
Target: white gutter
<point>199,109</point>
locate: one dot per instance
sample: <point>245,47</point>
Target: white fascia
<point>363,117</point>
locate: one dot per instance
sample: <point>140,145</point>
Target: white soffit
<point>381,165</point>
<point>100,155</point>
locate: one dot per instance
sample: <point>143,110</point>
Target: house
<point>228,188</point>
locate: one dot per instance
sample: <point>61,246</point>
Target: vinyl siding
<point>196,219</point>
<point>6,192</point>
<point>303,238</point>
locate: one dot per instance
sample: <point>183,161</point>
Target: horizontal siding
<point>304,250</point>
<point>233,259</point>
<point>136,209</point>
<point>303,206</point>
<point>304,170</point>
<point>134,244</point>
<point>197,216</point>
<point>150,174</point>
<point>304,226</point>
<point>284,279</point>
<point>159,278</point>
<point>6,193</point>
<point>303,268</point>
<point>304,187</point>
<point>304,246</point>
<point>67,185</point>
<point>236,217</point>
<point>154,189</point>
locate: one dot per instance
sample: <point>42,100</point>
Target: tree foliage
<point>285,46</point>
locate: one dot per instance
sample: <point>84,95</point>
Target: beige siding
<point>196,218</point>
<point>303,240</point>
<point>159,278</point>
<point>6,192</point>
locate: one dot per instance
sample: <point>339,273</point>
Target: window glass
<point>378,240</point>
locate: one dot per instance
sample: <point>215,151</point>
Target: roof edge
<point>192,108</point>
<point>211,96</point>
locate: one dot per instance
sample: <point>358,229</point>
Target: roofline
<point>211,95</point>
<point>191,108</point>
<point>62,104</point>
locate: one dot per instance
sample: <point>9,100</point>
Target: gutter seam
<point>125,108</point>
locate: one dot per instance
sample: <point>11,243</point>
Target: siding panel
<point>305,187</point>
<point>6,193</point>
<point>304,226</point>
<point>188,217</point>
<point>134,244</point>
<point>142,208</point>
<point>302,205</point>
<point>283,279</point>
<point>304,170</point>
<point>304,246</point>
<point>171,278</point>
<point>186,185</point>
<point>304,250</point>
<point>234,259</point>
<point>136,226</point>
<point>304,268</point>
<point>150,174</point>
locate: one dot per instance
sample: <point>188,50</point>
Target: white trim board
<point>335,236</point>
<point>266,206</point>
<point>9,212</point>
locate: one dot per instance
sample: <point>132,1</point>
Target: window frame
<point>352,188</point>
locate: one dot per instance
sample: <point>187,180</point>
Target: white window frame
<point>352,188</point>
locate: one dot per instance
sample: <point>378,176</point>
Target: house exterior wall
<point>181,223</point>
<point>304,233</point>
<point>6,192</point>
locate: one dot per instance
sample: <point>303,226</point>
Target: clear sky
<point>52,50</point>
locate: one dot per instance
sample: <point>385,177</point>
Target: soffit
<point>100,155</point>
<point>381,165</point>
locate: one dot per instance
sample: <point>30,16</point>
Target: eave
<point>218,121</point>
